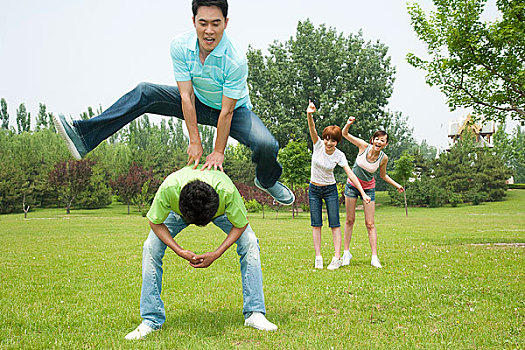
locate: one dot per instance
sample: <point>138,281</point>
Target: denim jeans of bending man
<point>246,127</point>
<point>151,305</point>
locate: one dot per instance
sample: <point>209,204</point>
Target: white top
<point>323,164</point>
<point>363,162</point>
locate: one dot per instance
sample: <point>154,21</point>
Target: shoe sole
<point>62,132</point>
<point>259,328</point>
<point>264,189</point>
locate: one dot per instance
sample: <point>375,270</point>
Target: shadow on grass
<point>205,323</point>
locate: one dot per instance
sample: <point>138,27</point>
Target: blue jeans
<point>316,194</point>
<point>151,305</point>
<point>246,127</point>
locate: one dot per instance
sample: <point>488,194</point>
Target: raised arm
<point>384,175</point>
<point>311,125</point>
<point>216,158</point>
<point>190,117</point>
<point>361,144</point>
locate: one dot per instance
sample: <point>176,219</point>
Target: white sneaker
<point>140,332</point>
<point>347,256</point>
<point>335,264</point>
<point>258,321</point>
<point>318,262</point>
<point>375,262</point>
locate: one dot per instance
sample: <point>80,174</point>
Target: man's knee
<point>153,246</point>
<point>247,243</point>
<point>267,145</point>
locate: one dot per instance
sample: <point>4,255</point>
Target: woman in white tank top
<point>370,158</point>
<point>325,157</point>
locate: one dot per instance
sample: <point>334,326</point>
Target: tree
<point>4,115</point>
<point>295,159</point>
<point>238,164</point>
<point>42,120</point>
<point>511,148</point>
<point>475,64</point>
<point>70,179</point>
<point>23,119</point>
<point>403,171</point>
<point>207,133</point>
<point>475,173</point>
<point>129,186</point>
<point>343,75</point>
<point>250,192</point>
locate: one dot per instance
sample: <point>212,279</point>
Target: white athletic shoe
<point>347,256</point>
<point>318,262</point>
<point>335,264</point>
<point>140,332</point>
<point>375,262</point>
<point>258,321</point>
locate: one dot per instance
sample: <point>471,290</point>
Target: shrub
<point>455,199</point>
<point>516,186</point>
<point>252,206</point>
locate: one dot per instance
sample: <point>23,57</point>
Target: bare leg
<point>336,236</point>
<point>370,225</point>
<point>350,204</point>
<point>316,233</point>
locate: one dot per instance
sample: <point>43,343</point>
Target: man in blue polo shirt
<point>211,73</point>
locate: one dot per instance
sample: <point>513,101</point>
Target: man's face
<point>210,25</point>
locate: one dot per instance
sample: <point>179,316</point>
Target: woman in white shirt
<point>325,157</point>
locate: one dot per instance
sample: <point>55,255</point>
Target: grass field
<point>73,282</point>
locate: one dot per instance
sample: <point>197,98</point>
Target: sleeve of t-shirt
<point>318,144</point>
<point>160,208</point>
<point>235,210</point>
<point>342,161</point>
<point>178,58</point>
<point>235,82</point>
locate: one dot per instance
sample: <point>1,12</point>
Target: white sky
<point>71,54</point>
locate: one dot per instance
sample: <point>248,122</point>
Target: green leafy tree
<point>207,133</point>
<point>295,159</point>
<point>475,64</point>
<point>4,115</point>
<point>23,119</point>
<point>88,114</point>
<point>511,148</point>
<point>342,75</point>
<point>179,140</point>
<point>70,179</point>
<point>238,164</point>
<point>403,171</point>
<point>97,193</point>
<point>42,120</point>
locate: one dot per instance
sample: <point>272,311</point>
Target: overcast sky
<point>71,54</point>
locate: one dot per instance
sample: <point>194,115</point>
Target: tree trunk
<point>406,206</point>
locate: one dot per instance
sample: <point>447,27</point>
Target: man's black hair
<point>198,203</point>
<point>222,4</point>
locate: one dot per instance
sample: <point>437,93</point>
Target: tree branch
<point>496,73</point>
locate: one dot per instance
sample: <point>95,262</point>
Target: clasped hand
<point>198,261</point>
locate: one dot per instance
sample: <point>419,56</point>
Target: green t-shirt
<point>167,197</point>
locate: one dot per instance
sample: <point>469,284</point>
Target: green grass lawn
<point>73,282</point>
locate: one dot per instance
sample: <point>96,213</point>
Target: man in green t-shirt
<point>191,196</point>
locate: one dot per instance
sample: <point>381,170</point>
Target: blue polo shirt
<point>224,72</point>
